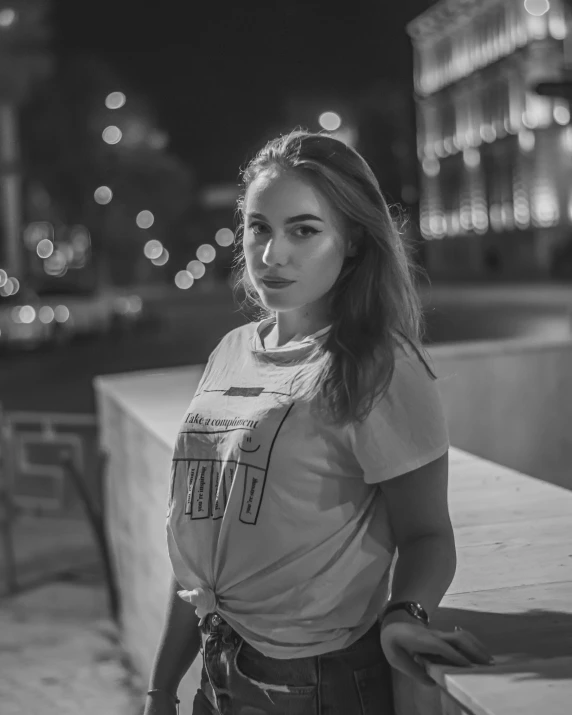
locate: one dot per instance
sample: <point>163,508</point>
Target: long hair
<point>374,304</point>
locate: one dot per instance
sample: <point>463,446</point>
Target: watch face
<point>417,612</point>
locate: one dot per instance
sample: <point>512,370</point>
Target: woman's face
<point>293,243</point>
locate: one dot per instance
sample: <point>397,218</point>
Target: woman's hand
<point>410,646</point>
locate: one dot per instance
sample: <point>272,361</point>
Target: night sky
<point>218,76</point>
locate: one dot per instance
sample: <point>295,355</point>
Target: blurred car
<point>27,322</point>
<point>97,312</point>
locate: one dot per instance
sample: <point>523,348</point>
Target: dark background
<point>218,72</point>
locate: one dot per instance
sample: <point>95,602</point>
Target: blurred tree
<point>65,155</point>
<point>24,58</point>
<point>387,138</point>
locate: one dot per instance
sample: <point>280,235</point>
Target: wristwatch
<point>411,607</point>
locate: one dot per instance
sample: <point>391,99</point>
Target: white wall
<point>136,487</point>
<point>511,402</point>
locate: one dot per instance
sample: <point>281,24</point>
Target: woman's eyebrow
<point>292,219</point>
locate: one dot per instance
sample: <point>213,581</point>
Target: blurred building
<point>495,157</point>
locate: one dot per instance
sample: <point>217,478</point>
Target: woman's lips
<point>276,284</point>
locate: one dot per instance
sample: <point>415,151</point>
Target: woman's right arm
<point>178,647</point>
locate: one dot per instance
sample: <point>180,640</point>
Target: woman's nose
<point>275,251</point>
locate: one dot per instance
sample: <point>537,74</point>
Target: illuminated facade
<point>495,157</point>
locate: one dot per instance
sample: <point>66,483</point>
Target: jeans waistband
<point>215,624</point>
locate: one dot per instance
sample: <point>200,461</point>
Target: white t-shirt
<point>276,514</point>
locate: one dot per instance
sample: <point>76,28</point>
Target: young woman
<point>314,448</point>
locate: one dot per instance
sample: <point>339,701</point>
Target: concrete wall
<point>511,402</point>
<point>136,486</point>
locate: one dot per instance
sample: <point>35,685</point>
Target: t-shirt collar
<point>289,350</point>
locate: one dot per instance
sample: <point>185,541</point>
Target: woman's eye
<point>256,228</point>
<point>307,231</point>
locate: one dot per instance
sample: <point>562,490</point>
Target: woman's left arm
<point>419,516</point>
<point>426,562</point>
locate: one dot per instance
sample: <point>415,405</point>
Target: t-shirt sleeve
<point>406,429</point>
<point>209,364</point>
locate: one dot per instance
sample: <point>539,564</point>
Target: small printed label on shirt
<point>253,488</point>
<point>244,391</point>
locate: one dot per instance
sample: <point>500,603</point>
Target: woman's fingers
<point>445,653</point>
<point>468,644</point>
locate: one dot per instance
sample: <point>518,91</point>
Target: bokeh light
<point>46,314</point>
<point>471,157</point>
<point>184,280</point>
<point>162,259</point>
<point>561,115</point>
<point>112,135</point>
<point>56,264</point>
<point>27,314</point>
<point>61,313</point>
<point>153,248</point>
<point>145,219</point>
<point>537,7</point>
<point>15,314</point>
<point>7,17</point>
<point>45,248</point>
<point>80,238</point>
<point>6,288</point>
<point>431,166</point>
<point>3,278</point>
<point>15,286</point>
<point>224,237</point>
<point>330,121</point>
<point>135,303</point>
<point>103,195</point>
<point>115,100</point>
<point>35,232</point>
<point>67,250</point>
<point>526,140</point>
<point>206,253</point>
<point>196,269</point>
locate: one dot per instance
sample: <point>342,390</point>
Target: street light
<point>115,100</point>
<point>206,253</point>
<point>153,249</point>
<point>112,135</point>
<point>537,8</point>
<point>7,17</point>
<point>145,219</point>
<point>330,121</point>
<point>103,195</point>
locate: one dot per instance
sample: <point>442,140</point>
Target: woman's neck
<point>292,329</point>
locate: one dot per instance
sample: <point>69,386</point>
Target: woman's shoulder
<point>237,337</point>
<point>411,357</point>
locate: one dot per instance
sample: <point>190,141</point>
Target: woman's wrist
<point>163,693</point>
<point>400,616</point>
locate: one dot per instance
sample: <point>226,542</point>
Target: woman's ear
<point>354,242</point>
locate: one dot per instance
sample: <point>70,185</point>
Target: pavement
<point>59,650</point>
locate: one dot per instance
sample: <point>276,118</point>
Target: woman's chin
<point>275,302</point>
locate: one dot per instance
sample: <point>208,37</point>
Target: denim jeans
<point>239,680</point>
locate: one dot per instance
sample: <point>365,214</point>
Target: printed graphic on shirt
<point>244,429</point>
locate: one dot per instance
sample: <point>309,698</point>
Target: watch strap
<point>413,608</point>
